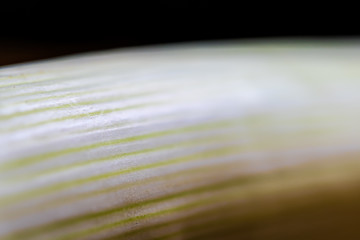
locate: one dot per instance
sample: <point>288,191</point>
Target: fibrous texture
<point>197,141</point>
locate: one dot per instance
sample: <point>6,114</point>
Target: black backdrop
<point>38,29</point>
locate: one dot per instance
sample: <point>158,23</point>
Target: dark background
<point>39,29</point>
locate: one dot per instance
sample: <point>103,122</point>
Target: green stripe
<point>204,215</point>
<point>11,199</point>
<point>19,163</point>
<point>83,115</point>
<point>80,103</point>
<point>24,83</point>
<point>80,196</point>
<point>185,143</point>
<point>89,216</point>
